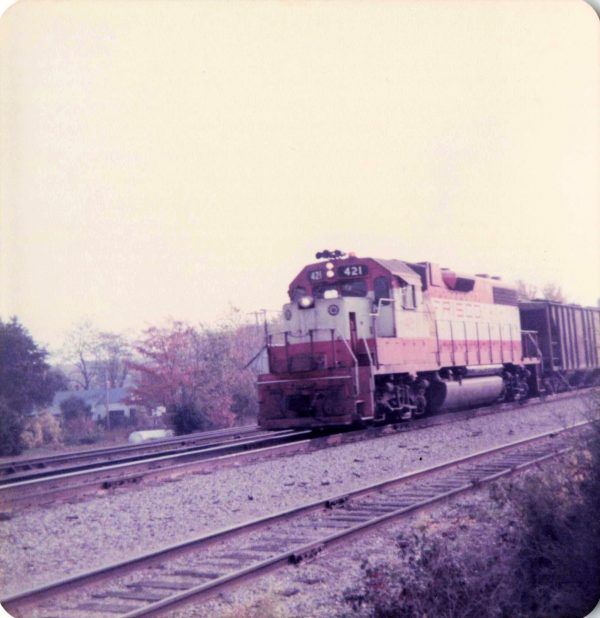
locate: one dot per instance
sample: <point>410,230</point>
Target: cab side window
<point>381,288</point>
<point>409,300</point>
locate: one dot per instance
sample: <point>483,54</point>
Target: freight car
<point>368,339</point>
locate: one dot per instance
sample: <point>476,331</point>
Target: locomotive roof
<point>400,269</point>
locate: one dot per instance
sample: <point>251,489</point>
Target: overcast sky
<point>165,158</point>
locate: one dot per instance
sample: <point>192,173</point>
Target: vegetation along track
<point>155,583</point>
<point>229,449</point>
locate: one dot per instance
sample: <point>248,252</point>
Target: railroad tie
<point>198,574</point>
<point>135,595</point>
<point>241,555</point>
<point>112,608</point>
<point>161,584</point>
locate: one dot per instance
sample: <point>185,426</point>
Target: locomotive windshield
<point>298,292</point>
<point>357,287</point>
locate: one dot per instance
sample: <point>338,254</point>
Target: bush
<point>74,407</point>
<point>187,418</point>
<point>82,431</point>
<point>51,429</point>
<point>244,404</point>
<point>143,420</point>
<point>41,430</point>
<point>537,555</point>
<point>432,581</point>
<point>11,428</point>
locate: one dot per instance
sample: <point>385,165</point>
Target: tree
<point>77,350</point>
<point>96,357</point>
<point>525,291</point>
<point>112,353</point>
<point>11,428</point>
<point>201,375</point>
<point>550,291</point>
<point>182,368</point>
<point>554,292</point>
<point>26,382</point>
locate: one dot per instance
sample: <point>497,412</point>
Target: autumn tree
<point>198,373</point>
<point>26,382</point>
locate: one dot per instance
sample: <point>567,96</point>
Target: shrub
<point>432,581</point>
<point>51,429</point>
<point>143,420</point>
<point>11,428</point>
<point>74,407</point>
<point>40,430</point>
<point>32,436</point>
<point>82,431</point>
<point>537,555</point>
<point>187,418</point>
<point>244,399</point>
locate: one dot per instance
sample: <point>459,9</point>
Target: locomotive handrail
<point>354,359</point>
<point>385,300</point>
<point>531,335</point>
<point>335,335</point>
<point>371,377</point>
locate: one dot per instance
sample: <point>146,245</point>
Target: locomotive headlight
<point>329,266</point>
<point>306,302</point>
<point>330,273</point>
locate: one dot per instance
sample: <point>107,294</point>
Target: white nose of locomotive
<point>323,315</point>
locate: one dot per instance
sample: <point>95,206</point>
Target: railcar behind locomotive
<point>368,339</point>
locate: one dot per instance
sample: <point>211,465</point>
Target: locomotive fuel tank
<point>443,396</point>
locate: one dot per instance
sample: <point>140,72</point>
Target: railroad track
<point>93,477</point>
<point>155,583</point>
<point>37,467</point>
<point>90,478</point>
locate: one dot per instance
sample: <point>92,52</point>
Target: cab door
<point>353,333</point>
<point>384,309</point>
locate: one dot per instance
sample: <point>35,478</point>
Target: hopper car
<point>373,340</point>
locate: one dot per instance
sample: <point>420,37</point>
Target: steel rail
<point>380,512</point>
<point>13,467</point>
<point>107,476</point>
<point>157,454</point>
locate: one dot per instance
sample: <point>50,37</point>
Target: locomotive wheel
<point>421,406</point>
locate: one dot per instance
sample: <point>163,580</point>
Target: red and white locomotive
<point>373,339</point>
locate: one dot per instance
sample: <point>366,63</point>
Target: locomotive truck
<point>368,339</point>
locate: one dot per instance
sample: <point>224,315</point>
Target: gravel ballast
<point>322,587</point>
<point>40,545</point>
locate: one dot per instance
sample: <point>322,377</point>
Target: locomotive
<point>371,340</point>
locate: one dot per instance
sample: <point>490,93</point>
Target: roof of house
<point>93,397</point>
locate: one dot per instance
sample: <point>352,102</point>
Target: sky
<point>176,158</point>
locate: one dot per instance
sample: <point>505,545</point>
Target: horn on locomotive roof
<point>329,255</point>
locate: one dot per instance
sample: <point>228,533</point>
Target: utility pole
<point>265,328</point>
<point>106,398</point>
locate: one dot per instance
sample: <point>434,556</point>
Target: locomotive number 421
<point>357,270</point>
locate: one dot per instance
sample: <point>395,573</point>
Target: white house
<point>118,401</point>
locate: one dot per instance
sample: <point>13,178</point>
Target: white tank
<point>149,434</point>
